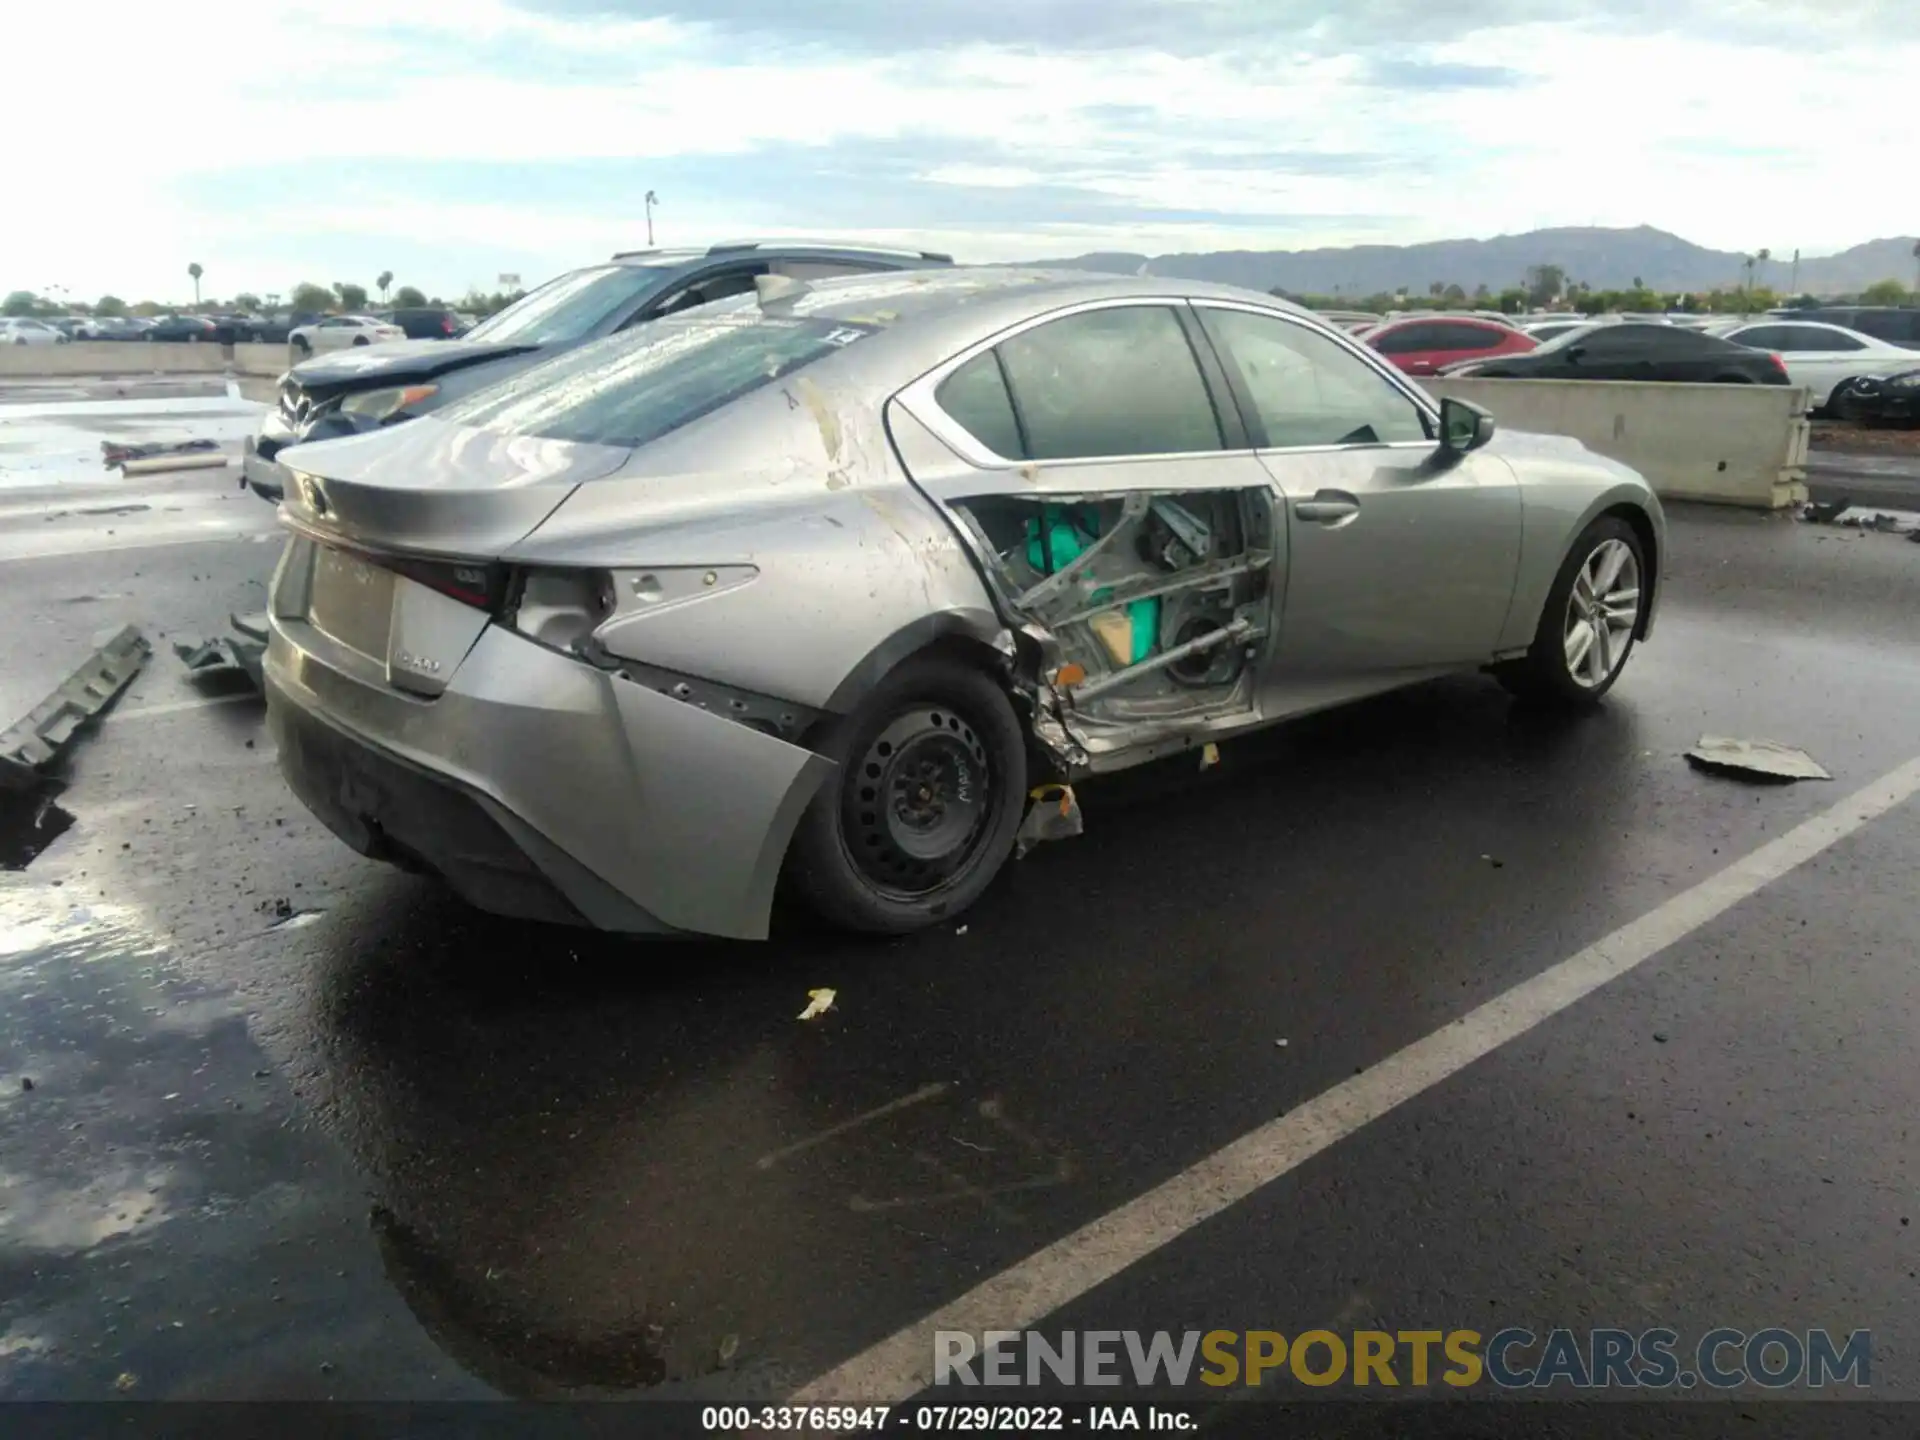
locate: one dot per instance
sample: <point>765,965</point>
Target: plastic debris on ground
<point>1847,515</point>
<point>225,655</point>
<point>35,741</point>
<point>117,456</point>
<point>819,1002</point>
<point>1754,759</point>
<point>1209,755</point>
<point>1053,815</point>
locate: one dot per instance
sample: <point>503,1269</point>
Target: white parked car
<point>337,332</point>
<point>1824,358</point>
<point>23,331</point>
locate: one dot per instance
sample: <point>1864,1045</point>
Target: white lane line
<point>175,707</point>
<point>900,1366</point>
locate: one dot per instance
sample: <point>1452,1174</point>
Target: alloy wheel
<point>1602,612</point>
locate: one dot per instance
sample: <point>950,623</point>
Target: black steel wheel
<point>921,813</point>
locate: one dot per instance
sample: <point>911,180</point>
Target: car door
<point>1821,357</point>
<point>332,333</point>
<point>1413,347</point>
<point>1401,557</point>
<point>1094,462</point>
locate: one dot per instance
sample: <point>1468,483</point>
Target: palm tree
<point>196,272</point>
<point>1760,262</point>
<point>1916,267</point>
<point>386,279</point>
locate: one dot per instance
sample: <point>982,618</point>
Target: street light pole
<point>652,200</point>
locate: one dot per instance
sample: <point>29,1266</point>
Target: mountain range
<point>1606,259</point>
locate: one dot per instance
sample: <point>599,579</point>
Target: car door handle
<point>1328,507</point>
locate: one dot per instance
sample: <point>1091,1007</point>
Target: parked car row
<point>705,572</point>
<point>26,331</point>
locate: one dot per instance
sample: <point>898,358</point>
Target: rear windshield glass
<point>569,307</point>
<point>634,387</point>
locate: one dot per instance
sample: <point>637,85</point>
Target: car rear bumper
<point>536,784</point>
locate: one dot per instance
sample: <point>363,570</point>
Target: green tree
<point>147,309</point>
<point>352,296</point>
<point>409,298</point>
<point>310,299</point>
<point>19,302</point>
<point>384,279</point>
<point>1454,295</point>
<point>1512,301</point>
<point>109,305</point>
<point>1482,296</point>
<point>1437,288</point>
<point>1881,292</point>
<point>1544,284</point>
<point>196,272</point>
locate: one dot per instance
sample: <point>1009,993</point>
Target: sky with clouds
<point>451,141</point>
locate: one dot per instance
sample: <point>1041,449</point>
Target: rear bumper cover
<point>540,786</point>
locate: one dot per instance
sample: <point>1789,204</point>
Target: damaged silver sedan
<point>822,586</point>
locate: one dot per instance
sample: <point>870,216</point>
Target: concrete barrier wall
<point>138,357</point>
<point>1728,444</point>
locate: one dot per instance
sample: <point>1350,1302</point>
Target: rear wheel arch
<point>948,633</point>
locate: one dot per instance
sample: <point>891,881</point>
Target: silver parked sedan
<point>828,583</point>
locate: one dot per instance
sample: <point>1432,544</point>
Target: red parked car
<point>1421,346</point>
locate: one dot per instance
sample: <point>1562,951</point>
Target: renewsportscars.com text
<point>1774,1358</point>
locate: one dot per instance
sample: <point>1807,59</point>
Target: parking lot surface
<point>302,1126</point>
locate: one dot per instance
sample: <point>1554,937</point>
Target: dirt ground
<point>1865,440</point>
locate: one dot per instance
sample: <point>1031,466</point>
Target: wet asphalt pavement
<point>301,1126</point>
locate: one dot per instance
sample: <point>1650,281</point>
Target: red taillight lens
<point>1778,364</point>
<point>483,586</point>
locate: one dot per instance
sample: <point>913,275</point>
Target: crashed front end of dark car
<point>1881,400</point>
<point>820,588</point>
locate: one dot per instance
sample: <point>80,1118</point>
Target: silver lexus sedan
<point>831,585</point>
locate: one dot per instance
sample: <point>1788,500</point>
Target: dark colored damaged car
<point>1881,399</point>
<point>333,396</point>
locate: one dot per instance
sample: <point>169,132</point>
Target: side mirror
<point>1464,426</point>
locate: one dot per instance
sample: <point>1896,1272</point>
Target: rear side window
<point>632,388</point>
<point>1121,381</point>
<point>976,397</point>
<point>1306,389</point>
<point>1408,340</point>
<point>1467,337</point>
<point>1902,327</point>
<point>1773,337</point>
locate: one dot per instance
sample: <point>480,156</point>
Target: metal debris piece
<point>112,454</point>
<point>1053,815</point>
<point>1825,512</point>
<point>818,1003</point>
<point>161,463</point>
<point>253,626</point>
<point>35,741</point>
<point>1755,759</point>
<point>222,656</point>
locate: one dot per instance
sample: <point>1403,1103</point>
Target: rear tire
<point>361,340</point>
<point>301,344</point>
<point>1572,662</point>
<point>920,814</point>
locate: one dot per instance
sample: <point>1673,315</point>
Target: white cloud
<point>121,187</point>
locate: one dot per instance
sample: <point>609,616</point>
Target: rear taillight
<point>1779,365</point>
<point>446,325</point>
<point>470,582</point>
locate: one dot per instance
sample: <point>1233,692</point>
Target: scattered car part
<point>222,656</point>
<point>35,741</point>
<point>1054,814</point>
<point>1751,759</point>
<point>113,455</point>
<point>160,463</point>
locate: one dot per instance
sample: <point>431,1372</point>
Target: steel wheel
<point>915,805</point>
<point>1602,612</point>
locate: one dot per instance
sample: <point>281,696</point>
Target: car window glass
<point>820,269</point>
<point>570,307</point>
<point>1122,381</point>
<point>1308,389</point>
<point>1467,337</point>
<point>1828,339</point>
<point>704,290</point>
<point>976,397</point>
<point>635,386</point>
<point>1771,337</point>
<point>1900,326</point>
<point>1407,339</point>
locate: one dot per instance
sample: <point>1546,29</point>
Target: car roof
<point>781,249</point>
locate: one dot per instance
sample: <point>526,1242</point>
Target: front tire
<point>921,812</point>
<point>1589,622</point>
<point>301,343</point>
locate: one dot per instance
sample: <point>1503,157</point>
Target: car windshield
<point>568,308</point>
<point>634,387</point>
